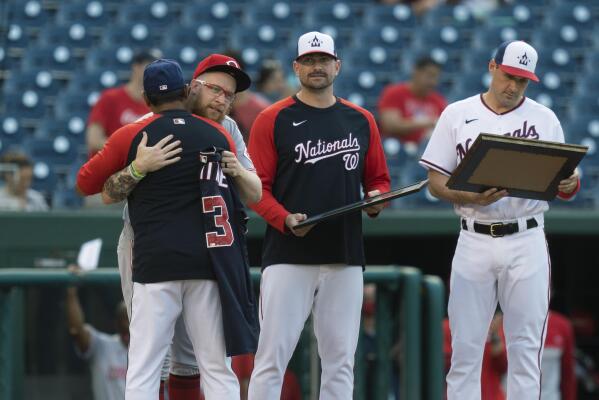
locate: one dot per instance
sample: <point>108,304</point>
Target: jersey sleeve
<point>439,154</point>
<point>223,131</point>
<point>264,153</point>
<point>376,174</point>
<point>242,154</point>
<point>112,158</point>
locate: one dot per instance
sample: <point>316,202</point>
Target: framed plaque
<point>530,169</point>
<point>367,202</point>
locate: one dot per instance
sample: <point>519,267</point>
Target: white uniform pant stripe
<point>288,294</point>
<point>517,277</point>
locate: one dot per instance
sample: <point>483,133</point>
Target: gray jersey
<point>107,357</point>
<point>242,152</point>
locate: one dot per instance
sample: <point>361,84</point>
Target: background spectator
<point>16,195</point>
<point>271,82</point>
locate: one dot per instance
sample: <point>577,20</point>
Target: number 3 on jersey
<point>217,205</point>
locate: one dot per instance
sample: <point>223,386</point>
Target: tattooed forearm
<point>119,185</point>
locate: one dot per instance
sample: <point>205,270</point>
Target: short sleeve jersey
<point>107,357</point>
<point>459,126</point>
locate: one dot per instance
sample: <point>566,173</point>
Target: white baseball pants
<point>181,358</point>
<point>513,270</point>
<point>288,293</point>
<point>154,312</point>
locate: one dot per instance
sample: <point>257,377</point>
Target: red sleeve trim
<point>112,158</point>
<point>568,196</point>
<point>263,151</point>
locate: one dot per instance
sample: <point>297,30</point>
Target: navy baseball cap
<point>163,76</point>
<point>518,58</point>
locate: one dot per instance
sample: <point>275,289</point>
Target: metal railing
<point>409,306</point>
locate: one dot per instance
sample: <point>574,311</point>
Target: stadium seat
<point>11,133</point>
<point>450,15</point>
<point>58,59</point>
<point>73,104</point>
<point>188,56</point>
<point>581,127</point>
<point>489,37</point>
<point>265,37</point>
<point>155,14</point>
<point>27,106</point>
<point>446,37</point>
<point>588,83</point>
<point>584,106</point>
<point>73,128</point>
<point>374,58</point>
<point>387,36</point>
<point>472,83</point>
<point>39,80</point>
<point>399,16</point>
<point>92,14</point>
<point>338,14</point>
<point>29,14</point>
<point>75,36</point>
<point>515,15</point>
<point>363,82</point>
<point>559,60</point>
<point>113,58</point>
<point>200,36</point>
<point>280,14</point>
<point>93,82</point>
<point>476,61</point>
<point>449,60</point>
<point>137,35</point>
<point>16,37</point>
<point>45,178</point>
<point>566,36</point>
<point>217,13</point>
<point>57,151</point>
<point>578,15</point>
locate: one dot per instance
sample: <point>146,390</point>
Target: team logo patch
<point>316,42</point>
<point>163,87</point>
<point>312,152</point>
<point>178,121</point>
<point>524,60</point>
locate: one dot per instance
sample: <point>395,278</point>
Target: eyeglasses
<point>310,61</point>
<point>216,90</point>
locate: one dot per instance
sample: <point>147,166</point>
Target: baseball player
<point>301,145</point>
<point>502,254</point>
<point>188,234</point>
<point>207,100</point>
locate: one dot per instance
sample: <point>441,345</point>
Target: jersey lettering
<point>217,205</point>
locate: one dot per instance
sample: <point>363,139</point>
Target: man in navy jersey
<point>187,236</point>
<point>313,152</point>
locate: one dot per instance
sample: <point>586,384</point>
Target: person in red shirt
<point>494,358</point>
<point>119,106</point>
<point>557,366</point>
<point>409,110</point>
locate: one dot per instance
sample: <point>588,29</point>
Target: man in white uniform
<point>502,254</point>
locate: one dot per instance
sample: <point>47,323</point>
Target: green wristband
<point>134,173</point>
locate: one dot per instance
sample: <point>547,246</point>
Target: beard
<point>196,105</point>
<point>322,83</point>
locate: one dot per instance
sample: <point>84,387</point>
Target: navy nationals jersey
<point>312,160</point>
<point>166,207</point>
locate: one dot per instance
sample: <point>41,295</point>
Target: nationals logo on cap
<point>315,42</point>
<point>518,58</point>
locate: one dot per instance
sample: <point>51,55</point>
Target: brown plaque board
<point>370,201</point>
<point>530,169</point>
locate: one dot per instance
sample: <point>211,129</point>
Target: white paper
<point>89,254</point>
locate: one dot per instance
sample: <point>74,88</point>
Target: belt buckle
<point>492,228</point>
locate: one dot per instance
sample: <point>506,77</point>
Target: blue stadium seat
<point>449,60</point>
<point>450,15</point>
<point>447,37</point>
<point>363,82</point>
<point>30,14</point>
<point>588,83</point>
<point>472,83</point>
<point>566,36</point>
<point>73,104</point>
<point>58,151</point>
<point>252,57</point>
<point>11,133</point>
<point>200,36</point>
<point>581,127</point>
<point>155,14</point>
<point>41,81</point>
<point>516,15</point>
<point>135,35</point>
<point>476,61</point>
<point>388,36</point>
<point>45,178</point>
<point>339,14</point>
<point>75,36</point>
<point>16,37</point>
<point>559,60</point>
<point>93,82</point>
<point>66,199</point>
<point>489,37</point>
<point>27,107</point>
<point>585,105</point>
<point>265,37</point>
<point>188,57</point>
<point>114,58</point>
<point>217,13</point>
<point>578,15</point>
<point>399,16</point>
<point>375,58</point>
<point>58,59</point>
<point>280,14</point>
<point>73,128</point>
<point>91,13</point>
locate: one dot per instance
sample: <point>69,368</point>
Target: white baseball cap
<point>315,42</point>
<point>518,58</point>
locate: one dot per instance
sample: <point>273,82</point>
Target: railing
<point>406,301</point>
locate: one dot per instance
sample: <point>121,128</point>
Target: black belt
<point>499,229</point>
